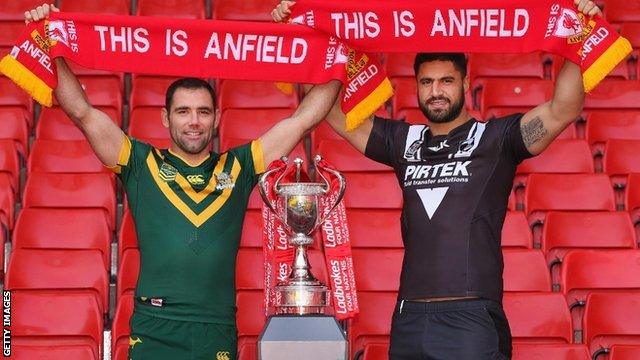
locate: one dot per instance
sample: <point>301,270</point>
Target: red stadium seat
<point>247,349</point>
<point>605,125</point>
<point>322,132</point>
<point>377,269</point>
<point>14,10</point>
<point>58,156</point>
<point>192,9</point>
<point>146,122</point>
<point>60,270</point>
<point>614,94</point>
<point>102,93</point>
<point>506,66</point>
<point>412,116</point>
<point>15,126</point>
<point>611,318</point>
<point>7,204</point>
<point>128,271</point>
<point>12,95</point>
<point>373,324</point>
<point>525,270</point>
<point>120,329</point>
<point>149,90</point>
<point>373,191</point>
<point>53,124</point>
<point>632,199</point>
<point>620,72</point>
<point>250,269</point>
<point>400,65</point>
<point>374,228</point>
<point>515,94</point>
<point>618,11</point>
<point>375,351</point>
<point>346,158</point>
<point>405,96</point>
<point>586,192</point>
<point>62,322</point>
<point>538,317</point>
<point>251,10</point>
<point>250,123</point>
<point>564,231</point>
<point>561,157</point>
<point>63,229</point>
<point>250,316</point>
<point>524,351</point>
<point>237,94</point>
<point>516,232</point>
<point>583,271</point>
<point>9,162</point>
<point>71,191</point>
<point>621,157</point>
<point>157,143</point>
<point>82,72</point>
<point>625,352</point>
<point>228,143</point>
<point>631,31</point>
<point>252,230</point>
<point>115,7</point>
<point>127,238</point>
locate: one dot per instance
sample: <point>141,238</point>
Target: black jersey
<point>455,189</point>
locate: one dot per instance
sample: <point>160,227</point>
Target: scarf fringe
<point>606,63</point>
<point>27,80</point>
<point>369,105</point>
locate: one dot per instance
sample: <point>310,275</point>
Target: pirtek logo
<point>195,179</point>
<point>223,355</point>
<point>454,168</point>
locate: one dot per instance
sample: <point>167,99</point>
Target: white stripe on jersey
<point>414,141</point>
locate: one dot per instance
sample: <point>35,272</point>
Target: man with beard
<point>456,175</point>
<point>188,204</point>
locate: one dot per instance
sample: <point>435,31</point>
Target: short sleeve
<point>385,144</point>
<point>513,144</point>
<point>132,155</point>
<point>251,160</point>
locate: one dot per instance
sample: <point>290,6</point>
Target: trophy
<point>298,207</point>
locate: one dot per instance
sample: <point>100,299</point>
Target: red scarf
<point>471,26</point>
<point>278,254</point>
<point>201,48</point>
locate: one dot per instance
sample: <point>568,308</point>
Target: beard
<point>190,147</point>
<point>443,115</point>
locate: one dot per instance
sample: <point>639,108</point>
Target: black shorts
<point>459,329</point>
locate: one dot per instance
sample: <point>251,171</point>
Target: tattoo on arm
<point>533,131</point>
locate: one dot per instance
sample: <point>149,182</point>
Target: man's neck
<point>190,159</point>
<point>445,128</point>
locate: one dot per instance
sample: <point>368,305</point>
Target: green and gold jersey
<point>188,221</point>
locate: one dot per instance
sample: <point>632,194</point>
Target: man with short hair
<point>188,204</point>
<point>456,174</point>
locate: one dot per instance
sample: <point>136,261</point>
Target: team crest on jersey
<point>225,181</point>
<point>134,341</point>
<point>195,179</point>
<point>167,172</point>
<point>223,355</point>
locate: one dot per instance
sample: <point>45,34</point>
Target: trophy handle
<point>263,190</point>
<point>341,181</point>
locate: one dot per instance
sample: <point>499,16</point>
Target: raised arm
<point>544,123</point>
<point>103,134</point>
<point>357,137</point>
<point>284,136</point>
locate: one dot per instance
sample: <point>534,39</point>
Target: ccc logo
<point>195,179</point>
<point>223,355</point>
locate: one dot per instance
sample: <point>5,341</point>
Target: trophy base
<point>302,337</point>
<point>302,298</point>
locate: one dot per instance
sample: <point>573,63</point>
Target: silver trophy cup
<point>298,207</point>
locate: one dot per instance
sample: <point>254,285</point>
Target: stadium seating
<point>621,157</point>
<point>400,65</point>
<point>63,229</point>
<point>538,317</point>
<point>11,95</point>
<point>605,125</point>
<point>237,94</point>
<point>617,11</point>
<point>71,191</point>
<point>192,9</point>
<point>525,270</point>
<point>374,228</point>
<point>506,66</point>
<point>102,93</point>
<point>373,191</point>
<point>250,316</point>
<point>252,230</point>
<point>14,10</point>
<point>527,351</point>
<point>149,91</point>
<point>375,351</point>
<point>9,162</point>
<point>346,158</point>
<point>514,94</point>
<point>53,124</point>
<point>631,31</point>
<point>55,323</point>
<point>373,324</point>
<point>115,7</point>
<point>404,97</point>
<point>128,271</point>
<point>120,329</point>
<point>56,156</point>
<point>146,122</point>
<point>38,269</point>
<point>127,238</point>
<point>377,269</point>
<point>252,10</point>
<point>625,352</point>
<point>614,94</point>
<point>632,199</point>
<point>250,269</point>
<point>7,203</point>
<point>611,318</point>
<point>515,231</point>
<point>564,231</point>
<point>15,126</point>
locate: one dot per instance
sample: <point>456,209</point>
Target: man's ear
<point>216,122</point>
<point>465,83</point>
<point>165,117</point>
